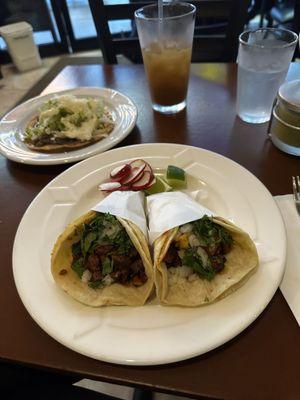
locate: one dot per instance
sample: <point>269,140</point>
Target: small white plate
<point>151,334</point>
<point>13,125</point>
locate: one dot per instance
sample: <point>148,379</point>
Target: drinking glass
<point>263,61</point>
<point>166,42</point>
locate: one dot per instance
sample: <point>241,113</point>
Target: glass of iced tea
<point>166,38</point>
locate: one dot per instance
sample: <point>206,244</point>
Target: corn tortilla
<point>116,294</point>
<point>242,262</point>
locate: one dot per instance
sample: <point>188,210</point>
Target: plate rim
<point>174,358</point>
<point>109,146</point>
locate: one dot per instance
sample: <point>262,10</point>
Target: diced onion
<point>194,241</point>
<point>186,228</point>
<point>204,256</point>
<point>107,280</point>
<point>86,276</point>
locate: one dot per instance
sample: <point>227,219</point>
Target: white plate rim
<point>176,357</point>
<point>76,155</point>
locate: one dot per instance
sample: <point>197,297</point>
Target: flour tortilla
<point>242,262</point>
<point>115,294</point>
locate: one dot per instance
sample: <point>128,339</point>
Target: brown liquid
<point>167,69</point>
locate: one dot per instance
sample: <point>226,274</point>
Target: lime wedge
<point>176,177</point>
<point>159,186</point>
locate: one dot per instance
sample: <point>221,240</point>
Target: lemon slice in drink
<point>159,186</point>
<point>176,177</point>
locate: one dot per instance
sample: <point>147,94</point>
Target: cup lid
<point>289,94</point>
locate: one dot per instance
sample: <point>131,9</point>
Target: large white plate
<point>13,125</point>
<point>151,334</point>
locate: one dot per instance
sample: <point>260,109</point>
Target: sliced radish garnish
<point>110,186</point>
<point>120,172</point>
<point>149,169</point>
<point>142,183</point>
<point>124,188</point>
<point>135,174</point>
<point>138,163</point>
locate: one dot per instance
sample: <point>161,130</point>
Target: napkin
<point>165,211</point>
<point>291,281</point>
<point>128,205</point>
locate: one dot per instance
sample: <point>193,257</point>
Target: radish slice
<point>120,172</point>
<point>142,183</point>
<point>110,186</point>
<point>124,188</point>
<point>138,163</point>
<point>147,168</point>
<point>135,175</point>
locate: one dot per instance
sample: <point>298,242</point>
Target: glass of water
<point>263,62</point>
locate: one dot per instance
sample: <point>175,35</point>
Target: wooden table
<point>261,362</point>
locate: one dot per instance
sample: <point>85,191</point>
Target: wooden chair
<point>218,25</point>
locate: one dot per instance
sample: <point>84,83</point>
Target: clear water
<point>256,93</point>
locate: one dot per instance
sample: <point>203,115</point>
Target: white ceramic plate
<point>13,125</point>
<point>151,334</point>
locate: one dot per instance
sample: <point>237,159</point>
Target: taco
<point>68,123</point>
<point>101,260</point>
<point>202,261</point>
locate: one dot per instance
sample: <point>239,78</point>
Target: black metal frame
<point>223,41</point>
<point>102,13</point>
<point>51,49</point>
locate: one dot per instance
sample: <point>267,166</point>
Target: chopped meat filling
<point>200,245</point>
<point>172,258</point>
<point>92,263</point>
<point>105,254</point>
<point>102,250</point>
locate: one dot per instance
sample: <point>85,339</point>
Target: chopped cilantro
<point>103,229</point>
<point>76,248</point>
<point>191,259</point>
<point>210,233</point>
<point>63,112</point>
<point>78,267</point>
<point>107,266</point>
<point>88,240</point>
<point>95,284</point>
<point>123,242</point>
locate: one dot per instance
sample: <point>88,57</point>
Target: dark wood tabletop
<point>261,362</point>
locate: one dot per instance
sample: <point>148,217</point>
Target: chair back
<point>218,25</point>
